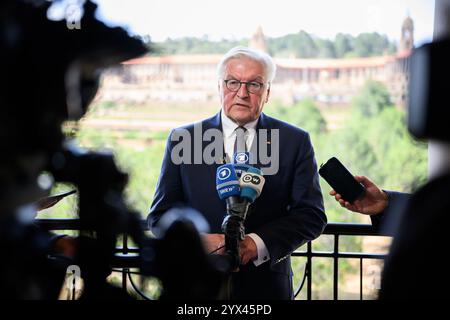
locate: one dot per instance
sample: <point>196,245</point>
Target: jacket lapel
<point>213,123</point>
<point>263,123</point>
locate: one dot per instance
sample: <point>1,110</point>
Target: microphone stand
<point>237,204</point>
<point>234,231</point>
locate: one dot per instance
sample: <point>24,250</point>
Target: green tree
<point>299,45</point>
<point>305,45</point>
<point>325,48</point>
<point>403,158</point>
<point>343,44</point>
<point>374,97</point>
<point>307,115</point>
<point>370,44</point>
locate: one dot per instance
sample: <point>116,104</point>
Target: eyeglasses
<point>252,86</point>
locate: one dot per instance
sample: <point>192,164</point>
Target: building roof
<point>347,63</point>
<point>287,63</point>
<point>178,59</point>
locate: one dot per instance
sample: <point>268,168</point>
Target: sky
<point>236,19</point>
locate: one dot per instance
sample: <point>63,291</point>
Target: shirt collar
<point>228,125</point>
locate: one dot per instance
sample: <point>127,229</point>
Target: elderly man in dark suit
<point>289,211</point>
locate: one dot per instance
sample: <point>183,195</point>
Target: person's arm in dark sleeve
<point>169,190</point>
<point>387,219</point>
<point>306,218</point>
<point>377,220</point>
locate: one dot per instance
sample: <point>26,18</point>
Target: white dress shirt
<point>229,137</point>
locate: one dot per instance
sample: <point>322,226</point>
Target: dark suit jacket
<point>388,221</point>
<point>288,213</point>
<point>415,267</point>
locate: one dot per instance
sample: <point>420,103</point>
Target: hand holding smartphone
<point>341,180</point>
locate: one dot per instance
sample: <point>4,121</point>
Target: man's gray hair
<point>244,52</point>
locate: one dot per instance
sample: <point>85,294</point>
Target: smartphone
<point>341,180</point>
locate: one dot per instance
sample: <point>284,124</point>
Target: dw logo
<point>249,178</point>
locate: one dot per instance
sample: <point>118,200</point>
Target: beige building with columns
<point>186,78</point>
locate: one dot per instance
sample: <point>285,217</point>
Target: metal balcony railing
<point>337,230</point>
<point>126,258</point>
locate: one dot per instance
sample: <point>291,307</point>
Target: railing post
<point>125,270</point>
<point>335,269</point>
<point>125,243</point>
<point>124,278</point>
<point>361,279</point>
<point>308,270</point>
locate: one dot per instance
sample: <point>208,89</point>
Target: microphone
<point>241,162</point>
<point>227,186</point>
<point>227,183</point>
<point>251,183</point>
<point>238,193</point>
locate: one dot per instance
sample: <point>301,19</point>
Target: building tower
<point>258,40</point>
<point>407,36</point>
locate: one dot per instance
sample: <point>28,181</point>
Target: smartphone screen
<point>341,180</point>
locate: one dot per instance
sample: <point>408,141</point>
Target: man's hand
<point>373,202</point>
<point>248,250</point>
<point>213,241</point>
